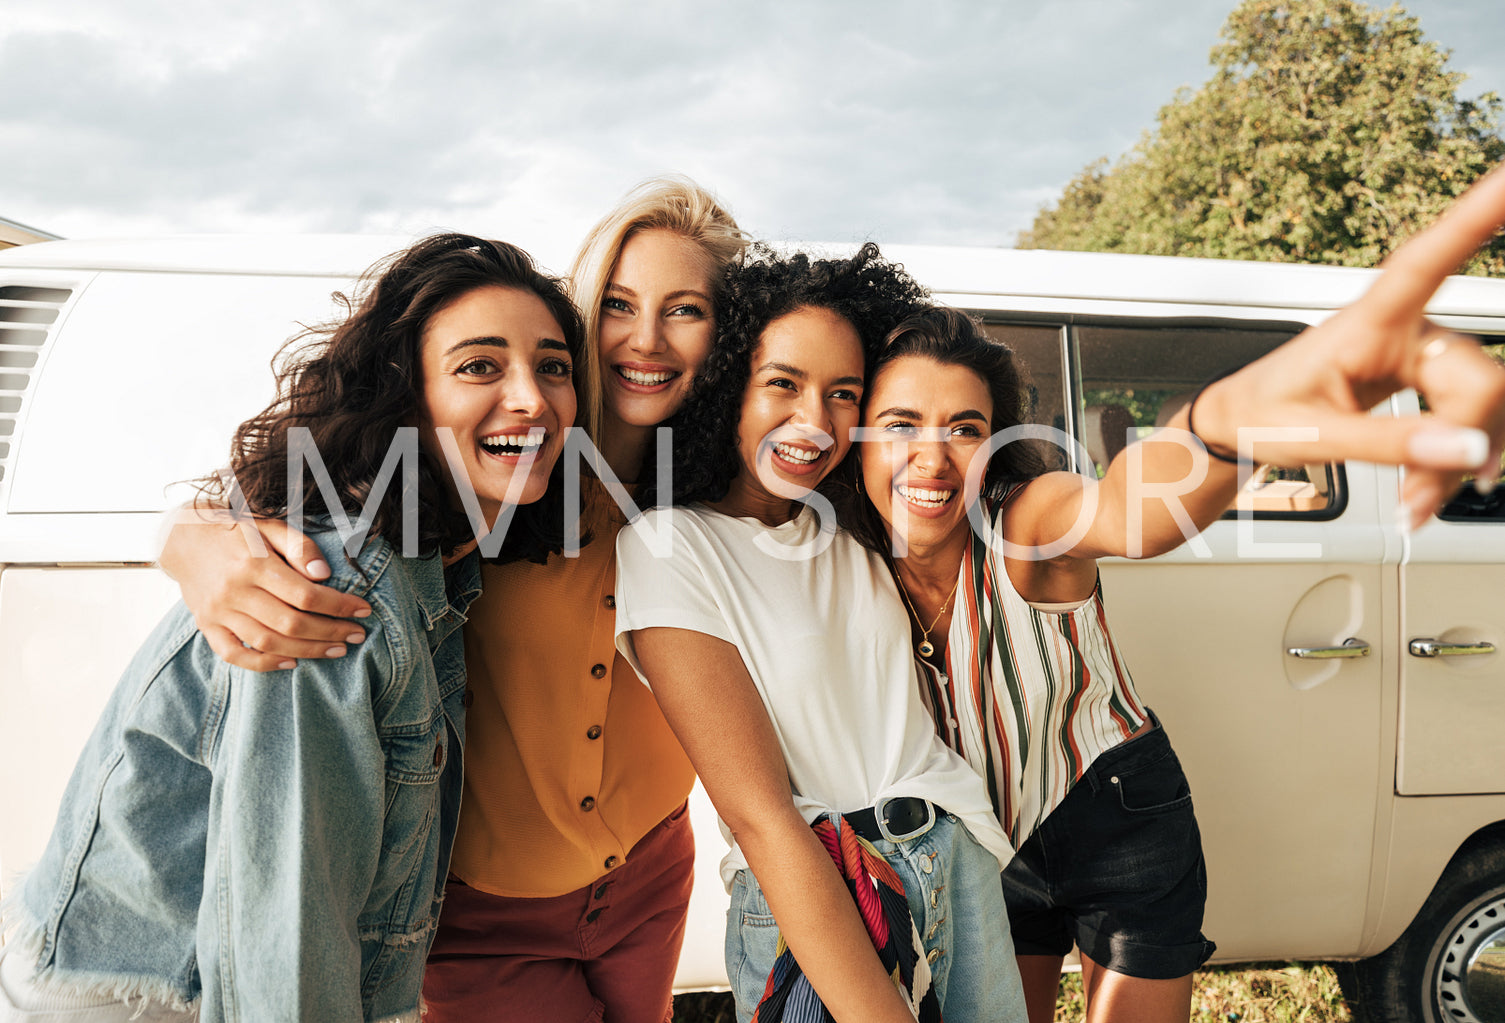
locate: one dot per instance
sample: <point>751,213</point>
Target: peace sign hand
<point>1330,375</point>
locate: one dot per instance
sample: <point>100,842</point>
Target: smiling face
<point>801,403</point>
<point>656,326</point>
<point>497,372</point>
<point>933,420</point>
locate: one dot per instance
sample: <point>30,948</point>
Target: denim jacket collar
<point>444,596</point>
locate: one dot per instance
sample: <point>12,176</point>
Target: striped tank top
<point>1030,698</point>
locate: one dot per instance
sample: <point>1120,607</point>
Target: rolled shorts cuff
<point>1142,960</point>
<point>1028,945</point>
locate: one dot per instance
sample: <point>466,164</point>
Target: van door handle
<point>1350,648</point>
<point>1428,647</point>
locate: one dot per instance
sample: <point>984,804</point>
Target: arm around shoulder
<point>255,610</point>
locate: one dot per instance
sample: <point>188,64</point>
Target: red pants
<point>605,952</point>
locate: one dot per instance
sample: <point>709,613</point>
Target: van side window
<point>1040,354</point>
<point>1108,384</point>
<point>1468,505</point>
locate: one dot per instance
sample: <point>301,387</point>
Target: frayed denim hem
<point>136,993</point>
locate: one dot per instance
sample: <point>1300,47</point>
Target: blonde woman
<point>573,857</point>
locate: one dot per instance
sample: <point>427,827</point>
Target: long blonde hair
<point>671,202</point>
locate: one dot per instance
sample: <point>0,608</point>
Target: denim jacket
<point>269,847</point>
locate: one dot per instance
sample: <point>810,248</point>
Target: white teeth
<point>795,454</point>
<point>506,443</point>
<point>648,379</point>
<point>926,498</point>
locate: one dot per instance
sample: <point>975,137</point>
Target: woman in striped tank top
<point>996,560</point>
<point>1026,683</point>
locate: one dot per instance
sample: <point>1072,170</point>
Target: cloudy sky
<point>910,121</point>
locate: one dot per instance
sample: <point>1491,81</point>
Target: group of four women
<point>891,671</point>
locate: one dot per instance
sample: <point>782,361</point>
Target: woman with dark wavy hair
<point>1023,677</point>
<point>996,561</point>
<point>865,854</point>
<point>573,859</point>
<point>275,848</point>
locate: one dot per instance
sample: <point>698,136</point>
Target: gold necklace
<point>925,647</point>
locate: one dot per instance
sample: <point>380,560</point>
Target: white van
<point>1331,683</point>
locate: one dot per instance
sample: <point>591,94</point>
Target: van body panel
<point>1143,281</point>
<point>111,419</point>
<point>84,538</point>
<point>1452,706</point>
<point>1424,833</point>
<point>310,255</point>
<point>67,634</point>
<point>1309,747</point>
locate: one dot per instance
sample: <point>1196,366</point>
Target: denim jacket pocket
<point>415,761</point>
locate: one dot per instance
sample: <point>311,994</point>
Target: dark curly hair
<point>948,337</point>
<point>866,290</point>
<point>354,383</point>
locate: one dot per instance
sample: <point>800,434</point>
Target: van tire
<point>1412,981</point>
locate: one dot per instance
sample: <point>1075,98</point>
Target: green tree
<point>1329,132</point>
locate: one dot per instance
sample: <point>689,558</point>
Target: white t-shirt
<point>827,643</point>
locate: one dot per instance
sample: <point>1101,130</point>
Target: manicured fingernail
<point>288,665</point>
<point>1485,481</point>
<point>355,637</point>
<point>1449,447</point>
<point>318,569</point>
<point>335,651</point>
<point>364,612</point>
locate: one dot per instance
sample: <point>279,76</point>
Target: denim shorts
<point>1117,868</point>
<point>950,882</point>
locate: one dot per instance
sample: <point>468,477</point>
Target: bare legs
<point>1042,981</point>
<point>1111,997</point>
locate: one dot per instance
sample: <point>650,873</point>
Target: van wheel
<point>1449,964</point>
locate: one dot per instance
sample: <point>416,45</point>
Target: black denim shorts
<point>1117,868</point>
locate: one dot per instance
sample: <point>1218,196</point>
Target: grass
<point>1249,993</point>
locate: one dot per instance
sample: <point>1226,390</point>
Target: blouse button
<point>611,861</point>
<point>593,732</point>
<point>599,671</point>
<point>438,755</point>
<point>588,803</point>
<point>470,697</point>
<point>610,602</point>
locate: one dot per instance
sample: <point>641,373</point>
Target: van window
<point>1108,384</point>
<point>1468,505</point>
<point>1040,352</point>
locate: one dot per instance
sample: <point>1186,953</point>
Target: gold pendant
<point>925,648</point>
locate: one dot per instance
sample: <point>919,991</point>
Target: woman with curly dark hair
<point>275,848</point>
<point>865,856</point>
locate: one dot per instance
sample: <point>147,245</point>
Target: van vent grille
<point>27,316</point>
